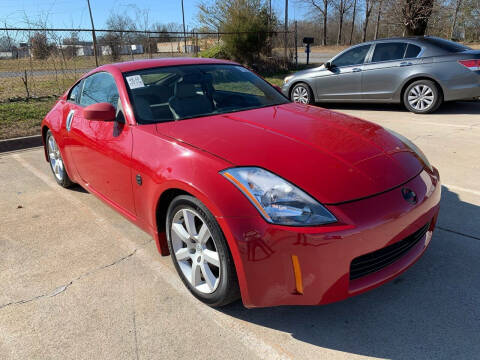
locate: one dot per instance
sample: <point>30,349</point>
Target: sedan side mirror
<point>328,65</point>
<point>100,112</point>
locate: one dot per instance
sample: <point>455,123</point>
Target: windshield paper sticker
<point>135,82</point>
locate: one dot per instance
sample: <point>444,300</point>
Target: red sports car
<point>254,196</point>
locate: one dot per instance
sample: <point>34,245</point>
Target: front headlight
<point>287,79</point>
<point>279,201</point>
<point>412,146</point>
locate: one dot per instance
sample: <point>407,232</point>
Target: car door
<point>101,151</point>
<point>387,68</point>
<point>343,81</point>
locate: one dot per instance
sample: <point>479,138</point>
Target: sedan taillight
<point>473,65</point>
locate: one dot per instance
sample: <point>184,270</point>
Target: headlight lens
<point>287,79</point>
<point>279,201</point>
<point>412,146</point>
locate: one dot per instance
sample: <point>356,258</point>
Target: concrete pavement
<point>78,281</point>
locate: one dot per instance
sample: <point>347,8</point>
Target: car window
<point>389,51</point>
<point>98,88</point>
<point>412,51</point>
<point>74,95</point>
<point>353,56</point>
<point>447,45</point>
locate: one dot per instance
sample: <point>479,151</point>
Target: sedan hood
<point>333,157</point>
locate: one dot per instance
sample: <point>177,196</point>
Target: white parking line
<point>247,338</point>
<point>458,188</point>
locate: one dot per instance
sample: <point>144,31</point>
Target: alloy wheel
<point>195,250</point>
<point>421,97</point>
<point>56,161</point>
<point>301,95</point>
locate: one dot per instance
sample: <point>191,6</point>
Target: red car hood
<point>332,156</point>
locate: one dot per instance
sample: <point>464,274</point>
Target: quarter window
<point>355,56</point>
<point>389,51</point>
<point>98,88</point>
<point>412,51</point>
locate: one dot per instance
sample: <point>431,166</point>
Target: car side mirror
<point>328,65</point>
<point>100,112</point>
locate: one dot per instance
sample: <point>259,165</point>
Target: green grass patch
<point>23,118</point>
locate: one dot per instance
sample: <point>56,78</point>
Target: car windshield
<point>187,91</point>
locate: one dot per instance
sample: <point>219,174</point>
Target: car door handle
<point>70,115</point>
<point>406,63</point>
<point>356,69</point>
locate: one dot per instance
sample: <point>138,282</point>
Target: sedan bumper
<point>325,254</point>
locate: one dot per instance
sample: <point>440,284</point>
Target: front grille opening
<point>377,260</point>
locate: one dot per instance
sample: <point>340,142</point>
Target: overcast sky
<point>68,13</point>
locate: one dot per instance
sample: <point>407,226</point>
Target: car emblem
<point>409,195</point>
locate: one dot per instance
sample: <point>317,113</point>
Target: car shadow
<point>454,107</point>
<point>430,311</point>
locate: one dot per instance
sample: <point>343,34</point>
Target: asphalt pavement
<point>78,281</point>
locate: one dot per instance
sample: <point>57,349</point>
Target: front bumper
<point>325,253</point>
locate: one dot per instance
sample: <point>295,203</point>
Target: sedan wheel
<point>200,252</point>
<point>422,97</point>
<point>56,161</point>
<point>301,94</point>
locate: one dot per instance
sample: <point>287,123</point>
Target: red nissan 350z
<point>252,195</point>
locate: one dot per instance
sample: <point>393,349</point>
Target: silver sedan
<point>419,72</point>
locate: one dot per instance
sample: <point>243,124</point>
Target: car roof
<point>151,63</point>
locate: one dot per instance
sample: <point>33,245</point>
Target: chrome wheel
<point>301,95</point>
<point>56,161</point>
<point>195,250</point>
<point>421,97</point>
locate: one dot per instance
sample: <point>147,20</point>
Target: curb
<point>20,143</point>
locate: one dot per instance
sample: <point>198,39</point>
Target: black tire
<point>302,91</point>
<point>227,290</point>
<point>62,177</point>
<point>432,92</point>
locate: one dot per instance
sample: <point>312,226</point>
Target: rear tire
<point>200,252</point>
<point>422,97</point>
<point>56,161</point>
<point>301,93</point>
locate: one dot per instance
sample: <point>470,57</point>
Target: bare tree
<point>342,6</point>
<point>458,4</point>
<point>415,16</point>
<point>322,7</point>
<point>379,14</point>
<point>353,20</point>
<point>368,11</point>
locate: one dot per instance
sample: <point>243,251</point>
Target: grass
<point>23,118</point>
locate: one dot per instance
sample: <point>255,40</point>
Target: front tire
<point>56,162</point>
<point>200,252</point>
<point>301,93</point>
<point>422,97</point>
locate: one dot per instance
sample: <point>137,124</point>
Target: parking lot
<point>79,281</point>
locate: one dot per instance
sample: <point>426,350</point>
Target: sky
<point>68,14</point>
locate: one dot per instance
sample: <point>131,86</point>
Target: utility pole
<point>285,54</point>
<point>184,33</point>
<point>94,38</point>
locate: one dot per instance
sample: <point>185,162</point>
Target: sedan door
<point>390,64</point>
<point>343,81</point>
<point>102,150</point>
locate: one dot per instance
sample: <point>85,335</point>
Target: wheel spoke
<point>210,279</point>
<point>204,234</point>
<point>211,257</point>
<point>182,254</point>
<point>189,219</point>
<point>180,231</point>
<point>196,274</point>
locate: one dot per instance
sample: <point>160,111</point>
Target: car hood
<point>333,157</point>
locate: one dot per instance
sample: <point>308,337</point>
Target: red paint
<point>354,167</point>
<point>99,112</point>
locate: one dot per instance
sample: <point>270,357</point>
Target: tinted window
<point>182,92</point>
<point>353,56</point>
<point>75,93</point>
<point>388,51</point>
<point>447,45</point>
<point>98,88</point>
<point>412,51</point>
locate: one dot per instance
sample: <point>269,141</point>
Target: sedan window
<point>389,51</point>
<point>412,51</point>
<point>99,87</point>
<point>352,57</point>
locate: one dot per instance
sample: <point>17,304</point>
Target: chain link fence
<point>39,63</point>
